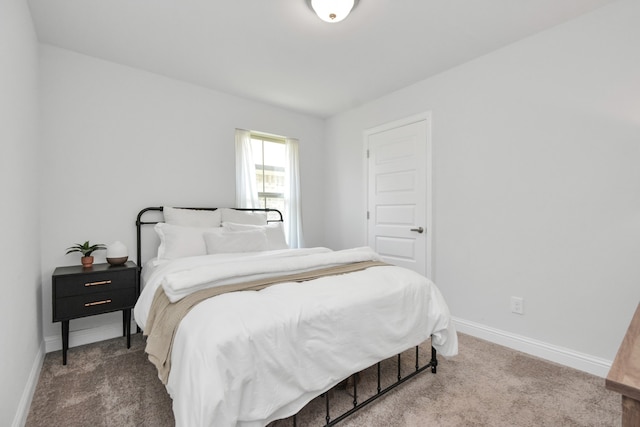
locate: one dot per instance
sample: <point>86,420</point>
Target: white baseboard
<point>563,356</point>
<point>24,404</point>
<point>87,336</point>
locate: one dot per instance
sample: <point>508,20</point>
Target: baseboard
<point>22,411</point>
<point>87,336</point>
<point>563,356</point>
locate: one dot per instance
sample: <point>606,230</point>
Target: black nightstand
<point>102,288</point>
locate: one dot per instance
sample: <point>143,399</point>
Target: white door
<point>399,193</point>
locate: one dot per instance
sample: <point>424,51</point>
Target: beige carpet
<point>104,384</point>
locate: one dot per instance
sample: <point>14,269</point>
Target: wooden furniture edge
<point>624,375</point>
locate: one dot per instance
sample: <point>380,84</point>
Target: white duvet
<point>248,358</point>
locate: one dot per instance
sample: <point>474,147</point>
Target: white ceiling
<point>279,52</point>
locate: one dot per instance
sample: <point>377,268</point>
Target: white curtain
<point>246,188</point>
<point>293,214</point>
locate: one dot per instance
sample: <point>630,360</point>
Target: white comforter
<point>248,358</point>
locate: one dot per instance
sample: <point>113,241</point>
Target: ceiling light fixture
<point>332,10</point>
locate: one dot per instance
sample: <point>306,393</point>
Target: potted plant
<point>86,249</point>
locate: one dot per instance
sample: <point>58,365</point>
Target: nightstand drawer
<point>93,303</point>
<point>82,284</point>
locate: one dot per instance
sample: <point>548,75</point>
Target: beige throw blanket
<point>164,316</point>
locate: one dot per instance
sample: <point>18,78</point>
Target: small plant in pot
<point>86,249</point>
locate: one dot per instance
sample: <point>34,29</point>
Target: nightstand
<point>102,288</point>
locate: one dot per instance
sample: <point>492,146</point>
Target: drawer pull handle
<point>104,282</point>
<point>106,301</point>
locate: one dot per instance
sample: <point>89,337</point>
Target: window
<point>270,162</point>
<point>268,176</point>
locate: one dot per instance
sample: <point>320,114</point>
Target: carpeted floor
<point>104,384</point>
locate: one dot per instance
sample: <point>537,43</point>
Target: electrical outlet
<point>517,305</point>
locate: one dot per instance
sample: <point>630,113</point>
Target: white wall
<point>20,305</point>
<point>536,181</point>
<point>117,140</point>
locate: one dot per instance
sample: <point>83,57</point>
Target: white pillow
<point>274,232</point>
<point>243,217</point>
<point>192,217</point>
<point>177,241</point>
<point>222,241</point>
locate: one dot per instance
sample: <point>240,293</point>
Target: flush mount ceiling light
<point>332,10</point>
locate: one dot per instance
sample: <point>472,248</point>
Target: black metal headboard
<point>140,223</point>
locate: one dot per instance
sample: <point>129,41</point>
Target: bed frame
<point>274,215</point>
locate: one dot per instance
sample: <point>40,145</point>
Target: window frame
<point>262,194</point>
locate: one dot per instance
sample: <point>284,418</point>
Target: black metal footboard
<point>433,364</point>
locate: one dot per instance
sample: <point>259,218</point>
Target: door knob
<point>419,230</point>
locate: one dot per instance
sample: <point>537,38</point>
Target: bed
<point>245,331</point>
